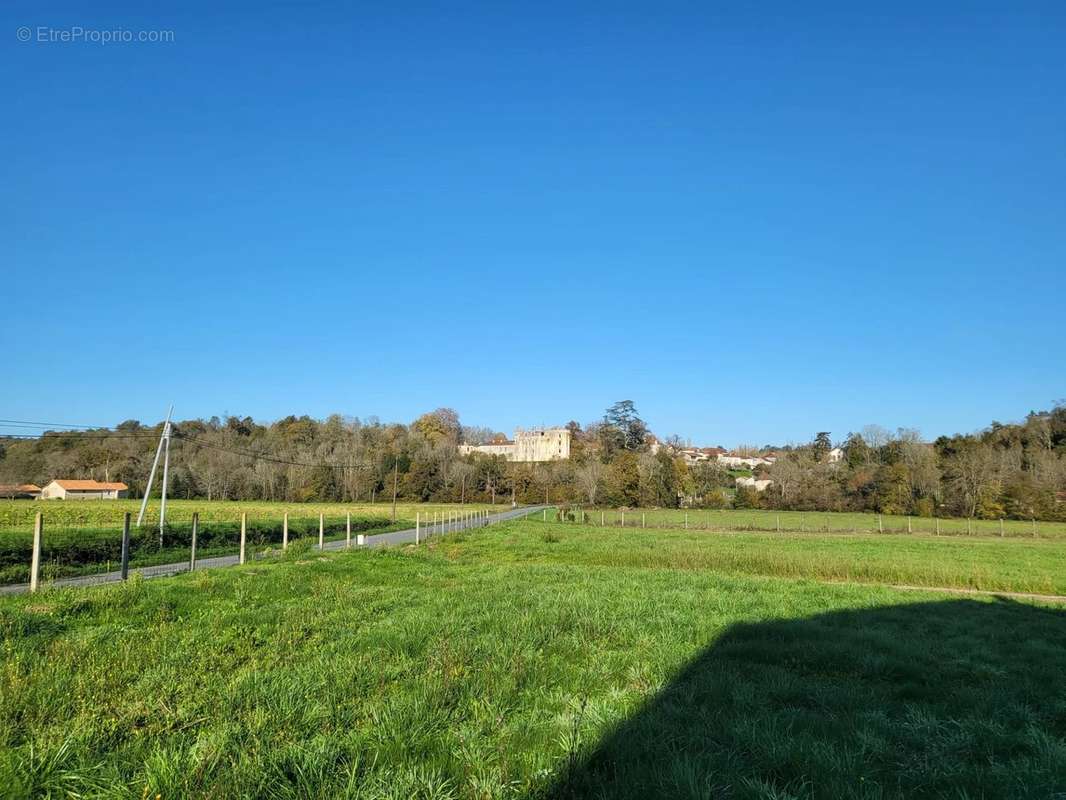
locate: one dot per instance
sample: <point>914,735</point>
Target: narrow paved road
<point>377,540</point>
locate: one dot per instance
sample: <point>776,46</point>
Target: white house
<point>752,483</point>
<point>835,455</point>
<point>84,490</point>
<point>751,462</point>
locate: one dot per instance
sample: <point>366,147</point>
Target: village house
<point>84,490</point>
<point>750,462</point>
<point>695,455</point>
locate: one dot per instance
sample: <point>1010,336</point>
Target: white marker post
<point>244,536</point>
<point>35,557</point>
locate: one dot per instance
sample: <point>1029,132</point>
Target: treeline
<point>1013,471</point>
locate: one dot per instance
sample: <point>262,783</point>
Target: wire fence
<point>83,555</point>
<point>802,522</point>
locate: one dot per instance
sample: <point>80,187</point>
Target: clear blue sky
<point>757,221</point>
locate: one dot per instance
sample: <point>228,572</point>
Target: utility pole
<point>166,469</point>
<point>155,463</point>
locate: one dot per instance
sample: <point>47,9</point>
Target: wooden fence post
<point>908,524</point>
<point>418,523</point>
<point>643,520</point>
<point>1001,527</point>
<point>545,515</point>
<point>348,531</point>
<point>35,558</point>
<point>321,530</point>
<point>124,564</point>
<point>938,526</point>
<point>244,535</point>
<point>192,550</point>
<point>285,531</point>
<point>686,520</point>
<point>623,519</point>
<point>880,525</point>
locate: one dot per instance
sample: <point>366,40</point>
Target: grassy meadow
<point>987,564</point>
<point>546,660</point>
<point>817,522</point>
<point>85,536</point>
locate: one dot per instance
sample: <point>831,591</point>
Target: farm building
<point>84,490</point>
<point>28,491</point>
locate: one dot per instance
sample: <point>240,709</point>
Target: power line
<point>75,435</point>
<point>262,456</point>
<point>30,424</point>
<point>103,434</point>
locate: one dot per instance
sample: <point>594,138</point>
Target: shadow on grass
<point>959,699</point>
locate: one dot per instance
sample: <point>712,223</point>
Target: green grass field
<point>990,564</point>
<point>818,522</point>
<point>532,660</point>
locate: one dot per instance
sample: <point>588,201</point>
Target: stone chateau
<point>538,444</point>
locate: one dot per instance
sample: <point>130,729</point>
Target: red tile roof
<point>90,486</point>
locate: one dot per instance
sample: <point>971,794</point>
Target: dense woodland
<point>1007,470</point>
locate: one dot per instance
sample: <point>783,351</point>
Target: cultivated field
<point>19,514</point>
<point>815,521</point>
<point>549,660</point>
<point>83,537</point>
